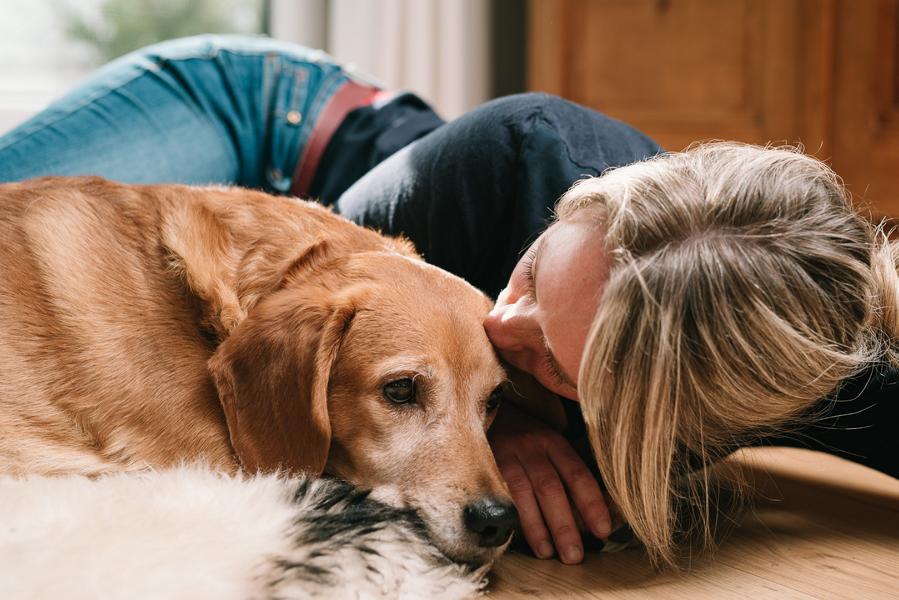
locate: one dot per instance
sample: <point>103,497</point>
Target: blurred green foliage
<point>126,25</point>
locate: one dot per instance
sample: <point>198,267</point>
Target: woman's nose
<point>510,326</point>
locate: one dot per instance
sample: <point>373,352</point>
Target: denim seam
<point>325,91</point>
<point>274,174</point>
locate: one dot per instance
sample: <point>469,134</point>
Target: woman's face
<point>541,319</point>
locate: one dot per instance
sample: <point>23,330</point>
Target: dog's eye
<point>401,391</point>
<point>494,399</point>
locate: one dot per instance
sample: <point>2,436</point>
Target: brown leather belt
<point>349,96</point>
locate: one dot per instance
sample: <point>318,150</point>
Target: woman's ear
<point>272,377</point>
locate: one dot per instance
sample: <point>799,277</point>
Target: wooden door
<point>822,73</point>
<point>866,108</point>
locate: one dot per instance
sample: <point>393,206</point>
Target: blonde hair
<point>743,289</point>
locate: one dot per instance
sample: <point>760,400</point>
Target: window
<point>46,47</point>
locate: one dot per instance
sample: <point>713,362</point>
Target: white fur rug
<point>192,534</point>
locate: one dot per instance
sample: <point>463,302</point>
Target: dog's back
<point>99,345</point>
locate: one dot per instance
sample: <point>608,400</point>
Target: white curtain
<point>436,48</point>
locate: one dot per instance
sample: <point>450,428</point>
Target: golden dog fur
<point>146,326</point>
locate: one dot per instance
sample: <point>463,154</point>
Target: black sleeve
<point>474,192</point>
<point>860,422</point>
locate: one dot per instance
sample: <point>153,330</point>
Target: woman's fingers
<point>545,476</point>
<point>530,518</point>
<point>582,487</point>
<point>554,505</point>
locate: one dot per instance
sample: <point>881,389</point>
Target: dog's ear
<point>272,377</point>
<point>202,250</point>
<point>231,266</point>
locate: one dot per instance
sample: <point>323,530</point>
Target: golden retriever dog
<point>147,326</point>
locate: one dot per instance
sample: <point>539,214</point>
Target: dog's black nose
<point>491,520</point>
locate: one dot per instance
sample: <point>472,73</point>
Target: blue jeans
<point>200,110</point>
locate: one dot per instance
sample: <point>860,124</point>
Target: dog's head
<point>375,368</point>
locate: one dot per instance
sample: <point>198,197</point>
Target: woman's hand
<point>542,470</point>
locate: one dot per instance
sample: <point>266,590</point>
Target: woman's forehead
<point>573,268</point>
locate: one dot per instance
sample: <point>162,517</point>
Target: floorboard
<point>821,527</point>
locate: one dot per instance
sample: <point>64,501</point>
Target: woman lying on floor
<point>692,303</point>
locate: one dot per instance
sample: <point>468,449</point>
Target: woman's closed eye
<point>552,367</point>
<point>527,266</point>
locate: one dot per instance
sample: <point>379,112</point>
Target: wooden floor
<point>823,528</point>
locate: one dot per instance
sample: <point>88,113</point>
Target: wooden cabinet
<point>864,124</point>
<point>824,73</point>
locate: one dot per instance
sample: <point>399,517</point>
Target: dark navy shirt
<point>473,193</point>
